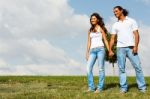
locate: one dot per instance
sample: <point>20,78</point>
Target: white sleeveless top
<point>96,39</point>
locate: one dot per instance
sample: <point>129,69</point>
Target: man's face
<point>117,12</point>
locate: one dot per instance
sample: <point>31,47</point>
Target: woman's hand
<point>87,56</point>
<point>111,53</point>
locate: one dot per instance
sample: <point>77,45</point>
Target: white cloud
<point>38,18</point>
<point>26,29</point>
<point>110,22</point>
<point>38,58</point>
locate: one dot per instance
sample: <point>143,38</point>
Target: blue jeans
<point>122,53</point>
<point>96,53</point>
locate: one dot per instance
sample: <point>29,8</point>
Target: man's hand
<point>111,53</point>
<point>112,40</point>
<point>135,50</point>
<point>137,39</point>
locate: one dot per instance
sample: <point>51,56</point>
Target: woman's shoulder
<point>89,32</point>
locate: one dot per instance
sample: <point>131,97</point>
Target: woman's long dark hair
<point>124,11</point>
<point>100,22</point>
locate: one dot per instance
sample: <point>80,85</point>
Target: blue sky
<point>48,37</point>
<point>138,9</point>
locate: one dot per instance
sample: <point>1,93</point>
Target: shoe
<point>123,91</point>
<point>89,90</point>
<point>97,91</point>
<point>142,90</point>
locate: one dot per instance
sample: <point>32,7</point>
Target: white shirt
<point>96,39</point>
<point>124,30</point>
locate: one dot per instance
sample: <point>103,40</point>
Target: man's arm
<point>112,41</point>
<point>137,39</point>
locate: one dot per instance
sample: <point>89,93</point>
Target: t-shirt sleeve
<point>134,25</point>
<point>113,30</point>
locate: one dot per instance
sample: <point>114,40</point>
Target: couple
<point>126,31</point>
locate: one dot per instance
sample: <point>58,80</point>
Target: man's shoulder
<point>131,19</point>
<point>115,24</point>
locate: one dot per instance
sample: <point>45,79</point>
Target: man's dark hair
<point>124,11</point>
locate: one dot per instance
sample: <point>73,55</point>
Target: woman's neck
<point>96,28</point>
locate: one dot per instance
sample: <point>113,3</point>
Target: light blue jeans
<point>122,53</point>
<point>96,53</point>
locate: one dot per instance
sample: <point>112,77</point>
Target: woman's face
<point>94,20</point>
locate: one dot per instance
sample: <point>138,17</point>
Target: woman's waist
<point>96,47</point>
<point>97,44</point>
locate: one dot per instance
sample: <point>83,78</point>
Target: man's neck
<point>121,18</point>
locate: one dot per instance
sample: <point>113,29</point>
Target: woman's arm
<point>104,38</point>
<point>88,46</point>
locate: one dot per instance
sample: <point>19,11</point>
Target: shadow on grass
<point>111,85</point>
<point>115,85</point>
<point>134,85</point>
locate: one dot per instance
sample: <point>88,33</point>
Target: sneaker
<point>123,91</point>
<point>142,90</point>
<point>90,90</point>
<point>97,91</point>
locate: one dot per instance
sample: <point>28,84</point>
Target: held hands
<point>134,50</point>
<point>111,53</point>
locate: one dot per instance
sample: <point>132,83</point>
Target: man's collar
<point>126,18</point>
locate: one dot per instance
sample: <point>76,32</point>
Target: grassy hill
<point>65,87</point>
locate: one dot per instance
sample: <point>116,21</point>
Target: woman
<point>95,50</point>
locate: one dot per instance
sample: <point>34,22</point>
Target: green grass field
<point>65,87</point>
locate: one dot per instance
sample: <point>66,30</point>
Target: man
<point>126,31</point>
